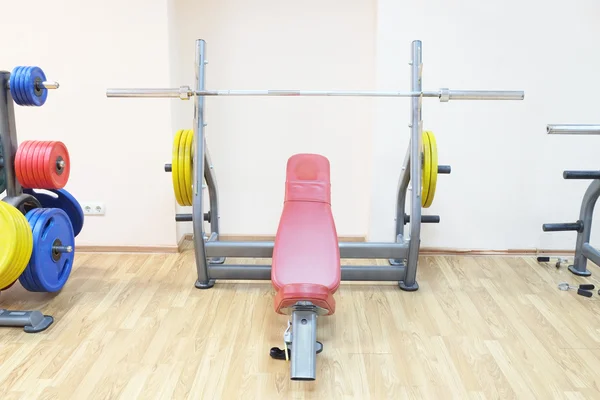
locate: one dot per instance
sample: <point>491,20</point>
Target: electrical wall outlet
<point>93,208</point>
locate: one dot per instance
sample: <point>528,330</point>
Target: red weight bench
<point>306,268</point>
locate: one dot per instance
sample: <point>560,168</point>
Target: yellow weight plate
<point>19,252</point>
<point>426,170</point>
<point>434,169</point>
<point>24,244</point>
<point>9,239</point>
<point>187,166</point>
<point>181,169</point>
<point>175,167</point>
<point>26,241</point>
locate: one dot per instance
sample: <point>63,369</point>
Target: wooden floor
<point>133,326</point>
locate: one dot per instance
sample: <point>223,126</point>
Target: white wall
<point>284,45</point>
<point>117,146</point>
<point>506,171</point>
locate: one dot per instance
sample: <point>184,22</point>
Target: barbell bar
<point>573,129</point>
<point>185,92</point>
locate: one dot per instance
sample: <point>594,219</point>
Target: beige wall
<point>507,173</point>
<point>117,147</point>
<point>506,176</point>
<point>265,44</point>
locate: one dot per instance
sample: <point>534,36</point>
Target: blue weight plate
<point>14,86</point>
<point>52,269</point>
<point>33,281</point>
<point>26,278</point>
<point>63,200</point>
<point>28,86</point>
<point>21,87</point>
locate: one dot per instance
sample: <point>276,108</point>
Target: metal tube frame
<point>402,254</point>
<point>572,129</point>
<point>30,321</point>
<point>583,250</point>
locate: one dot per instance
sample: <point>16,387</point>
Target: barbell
<point>186,92</point>
<point>573,129</point>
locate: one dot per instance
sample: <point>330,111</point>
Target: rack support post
<point>409,283</point>
<point>203,282</point>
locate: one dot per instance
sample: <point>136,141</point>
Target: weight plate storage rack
<point>39,219</point>
<point>420,166</point>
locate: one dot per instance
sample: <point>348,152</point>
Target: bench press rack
<point>402,253</point>
<point>210,252</point>
<point>583,226</point>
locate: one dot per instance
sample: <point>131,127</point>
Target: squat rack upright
<point>402,254</point>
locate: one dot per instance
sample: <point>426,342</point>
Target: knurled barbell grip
<point>425,219</point>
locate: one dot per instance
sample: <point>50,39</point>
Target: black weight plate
<point>24,202</point>
<point>61,198</point>
<point>2,171</point>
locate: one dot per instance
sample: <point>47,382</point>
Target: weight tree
<point>402,254</point>
<point>583,226</point>
<point>29,89</point>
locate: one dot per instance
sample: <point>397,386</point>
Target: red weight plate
<point>51,155</point>
<point>35,168</point>
<point>31,167</point>
<point>25,165</point>
<point>46,148</point>
<point>18,159</point>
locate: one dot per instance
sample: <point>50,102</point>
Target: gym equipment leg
<point>31,321</point>
<point>583,250</point>
<point>304,345</point>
